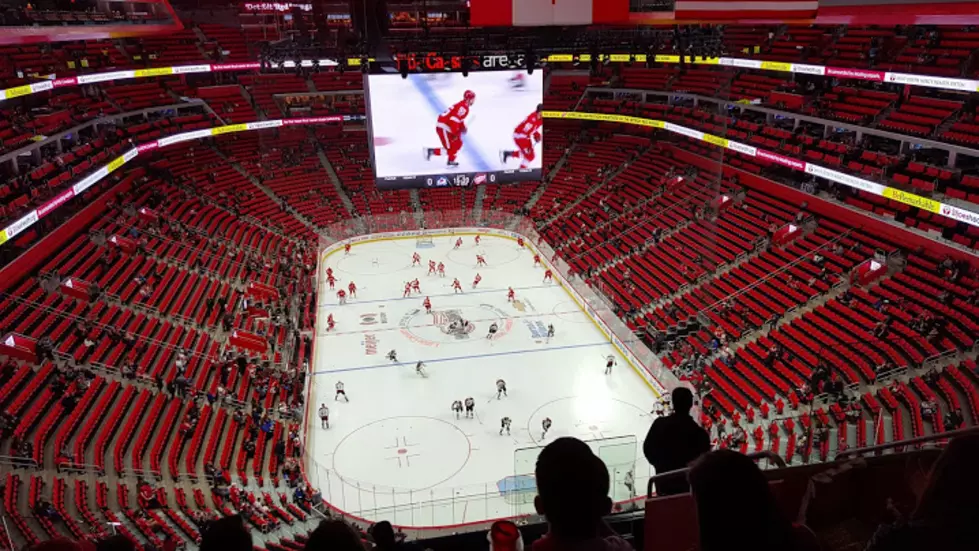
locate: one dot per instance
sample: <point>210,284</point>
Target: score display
<point>443,129</point>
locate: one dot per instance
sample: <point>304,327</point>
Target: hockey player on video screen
<point>450,128</point>
<point>526,135</point>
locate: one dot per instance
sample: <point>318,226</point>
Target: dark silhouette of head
<point>732,497</point>
<point>383,534</point>
<point>952,493</point>
<point>117,542</point>
<point>572,489</point>
<point>334,535</point>
<point>682,400</point>
<point>226,534</point>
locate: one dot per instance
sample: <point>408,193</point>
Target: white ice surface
<point>396,451</point>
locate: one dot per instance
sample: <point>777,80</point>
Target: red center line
<point>399,327</point>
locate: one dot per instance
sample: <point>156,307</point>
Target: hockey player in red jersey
<point>548,276</point>
<point>458,243</point>
<point>477,280</point>
<point>428,305</point>
<point>476,239</point>
<point>329,272</point>
<point>346,249</point>
<point>480,261</point>
<point>331,280</point>
<point>520,242</point>
<point>441,269</point>
<point>330,323</point>
<point>416,286</point>
<point>342,296</point>
<point>536,260</point>
<point>407,289</point>
<point>511,295</point>
<point>352,289</point>
<point>450,128</point>
<point>456,285</point>
<point>431,267</point>
<point>416,259</point>
<point>526,135</point>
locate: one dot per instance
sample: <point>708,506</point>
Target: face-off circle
<point>453,324</point>
<point>402,453</point>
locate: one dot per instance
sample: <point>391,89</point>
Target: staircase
<point>288,208</point>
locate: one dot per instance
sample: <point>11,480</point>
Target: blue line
<point>433,101</point>
<point>470,357</point>
<point>465,294</point>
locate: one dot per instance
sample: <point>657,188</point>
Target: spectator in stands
<point>953,420</point>
<point>572,494</point>
<point>946,513</point>
<point>226,534</point>
<point>732,497</point>
<point>674,441</point>
<point>334,535</point>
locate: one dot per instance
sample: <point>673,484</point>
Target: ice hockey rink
<point>396,451</point>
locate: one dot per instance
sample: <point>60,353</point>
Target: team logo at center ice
<point>452,323</point>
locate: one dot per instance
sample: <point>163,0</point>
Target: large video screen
<point>443,129</point>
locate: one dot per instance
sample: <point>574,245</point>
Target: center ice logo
<point>451,322</point>
<point>443,327</point>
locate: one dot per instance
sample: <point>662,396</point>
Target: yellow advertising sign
<point>116,163</point>
<point>228,129</point>
<point>619,58</point>
<point>913,200</point>
<point>776,66</point>
<point>716,140</point>
<point>156,72</point>
<point>558,58</point>
<point>18,91</point>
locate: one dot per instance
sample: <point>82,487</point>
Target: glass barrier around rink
<point>449,507</point>
<point>471,507</point>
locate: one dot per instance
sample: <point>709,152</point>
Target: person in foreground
<point>732,497</point>
<point>226,534</point>
<point>947,514</point>
<point>674,441</point>
<point>572,494</point>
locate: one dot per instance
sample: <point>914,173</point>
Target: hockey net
<point>424,241</point>
<point>617,452</point>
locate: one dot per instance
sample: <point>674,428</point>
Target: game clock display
<point>446,130</point>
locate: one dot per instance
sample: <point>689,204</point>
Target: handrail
<point>780,462</point>
<point>6,530</point>
<point>591,91</point>
<point>908,442</point>
<point>764,454</point>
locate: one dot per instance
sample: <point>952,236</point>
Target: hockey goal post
<point>424,241</point>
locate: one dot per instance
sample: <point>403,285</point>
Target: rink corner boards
<point>338,247</point>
